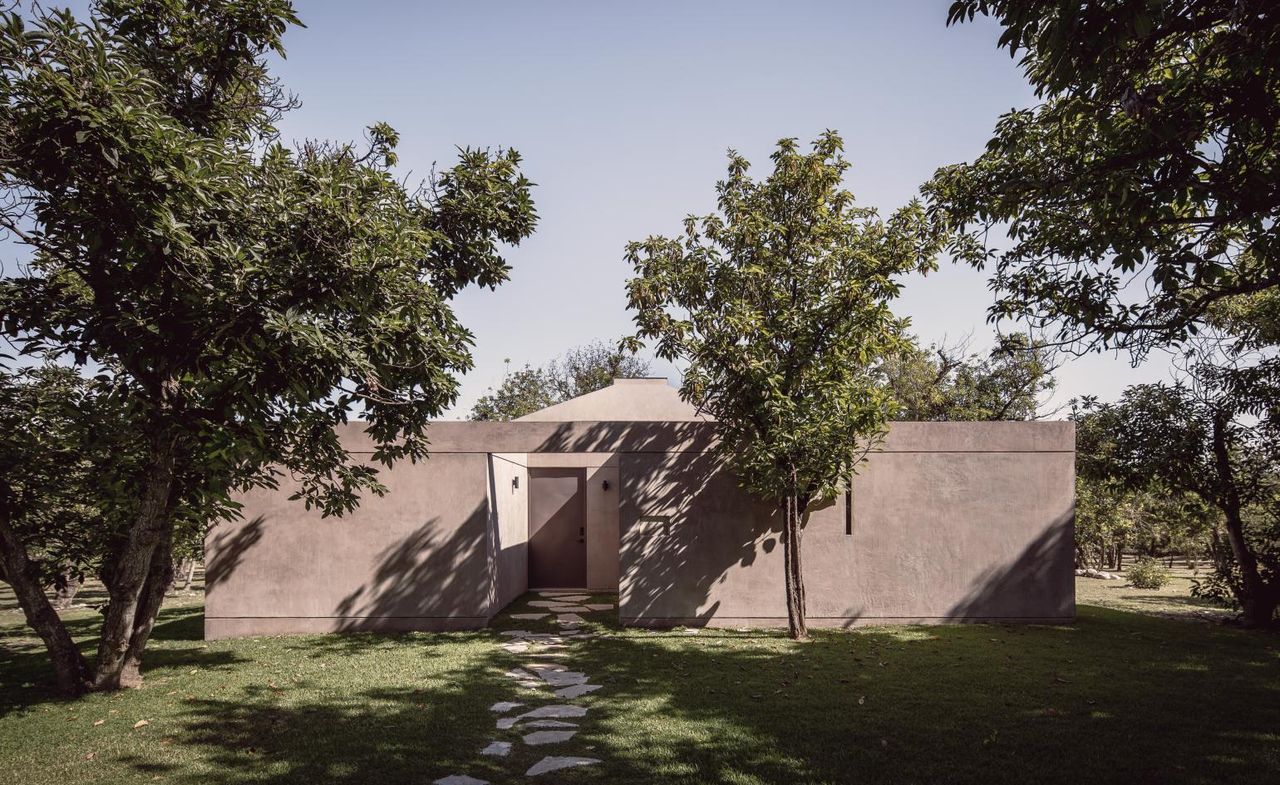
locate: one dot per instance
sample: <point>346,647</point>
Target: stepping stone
<point>518,674</point>
<point>566,618</point>
<point>556,592</point>
<point>545,603</point>
<point>576,690</point>
<point>497,749</point>
<point>569,609</point>
<point>554,763</point>
<point>549,724</point>
<point>538,667</point>
<point>502,707</point>
<point>548,737</point>
<point>572,597</point>
<point>599,606</point>
<point>556,711</point>
<point>563,678</point>
<point>528,616</point>
<point>515,633</point>
<point>516,648</point>
<point>462,779</point>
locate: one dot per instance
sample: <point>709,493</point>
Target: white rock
<point>600,606</point>
<point>576,690</point>
<point>502,707</point>
<point>555,763</point>
<point>460,779</point>
<point>528,616</point>
<point>538,667</point>
<point>563,678</point>
<point>570,618</point>
<point>556,711</point>
<point>548,737</point>
<point>497,749</point>
<point>549,724</point>
<point>507,723</point>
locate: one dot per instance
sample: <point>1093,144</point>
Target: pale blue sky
<point>623,112</point>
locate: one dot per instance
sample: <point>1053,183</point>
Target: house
<point>619,490</point>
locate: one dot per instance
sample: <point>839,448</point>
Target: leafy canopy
<point>947,382</point>
<point>779,305</point>
<point>581,370</point>
<point>243,297</point>
<point>1145,187</point>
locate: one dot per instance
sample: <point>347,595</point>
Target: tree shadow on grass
<point>26,678</point>
<point>1116,697</point>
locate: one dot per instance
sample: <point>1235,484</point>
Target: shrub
<point>1148,573</point>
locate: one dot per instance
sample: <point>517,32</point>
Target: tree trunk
<point>131,568</point>
<point>792,571</point>
<point>71,672</point>
<point>159,579</point>
<point>65,587</point>
<point>1256,601</point>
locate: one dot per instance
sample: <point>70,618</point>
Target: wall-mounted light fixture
<point>515,482</point>
<point>605,485</point>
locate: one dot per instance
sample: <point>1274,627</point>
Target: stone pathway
<point>541,674</point>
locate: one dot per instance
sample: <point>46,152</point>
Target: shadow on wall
<point>429,574</point>
<point>685,525</point>
<point>226,549</point>
<point>1015,589</point>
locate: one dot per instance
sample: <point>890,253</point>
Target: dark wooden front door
<point>557,537</point>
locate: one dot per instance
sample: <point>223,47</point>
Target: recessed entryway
<point>557,528</point>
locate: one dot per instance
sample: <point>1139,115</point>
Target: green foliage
<point>948,383</point>
<point>584,369</point>
<point>1166,441</point>
<point>247,296</point>
<point>1147,573</point>
<point>239,298</point>
<point>779,307</point>
<point>779,304</point>
<point>1142,190</point>
<point>63,446</point>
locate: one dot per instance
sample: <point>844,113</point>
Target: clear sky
<point>623,112</point>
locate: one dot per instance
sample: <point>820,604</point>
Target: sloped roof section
<point>626,400</point>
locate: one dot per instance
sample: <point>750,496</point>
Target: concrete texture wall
<point>631,400</point>
<point>509,527</point>
<point>951,522</point>
<point>418,558</point>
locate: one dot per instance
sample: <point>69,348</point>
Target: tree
<point>237,297</point>
<point>62,443</point>
<point>1144,188</point>
<point>581,370</point>
<point>523,392</point>
<point>947,382</point>
<point>779,305</point>
<point>1191,439</point>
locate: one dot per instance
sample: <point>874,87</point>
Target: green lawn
<point>1116,697</point>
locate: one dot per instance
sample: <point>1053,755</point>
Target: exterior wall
<point>602,513</point>
<point>417,558</point>
<point>951,522</point>
<point>509,506</point>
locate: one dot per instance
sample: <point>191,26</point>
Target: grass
<point>1116,697</point>
<point>1174,601</point>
